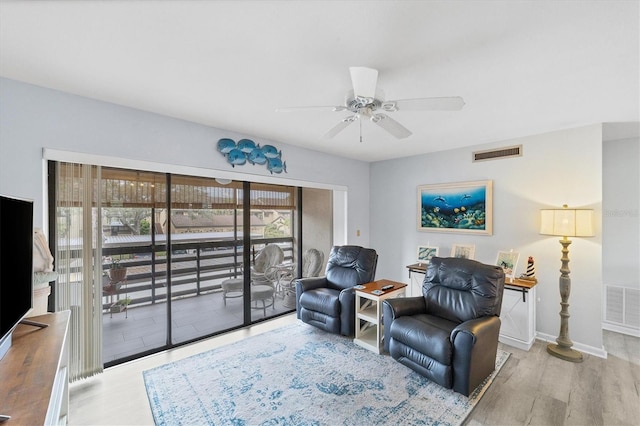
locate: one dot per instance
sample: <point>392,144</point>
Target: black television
<point>16,265</point>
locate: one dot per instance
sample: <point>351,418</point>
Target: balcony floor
<point>143,328</point>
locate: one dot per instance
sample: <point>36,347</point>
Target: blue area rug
<point>300,375</point>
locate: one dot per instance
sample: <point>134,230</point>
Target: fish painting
<point>276,165</point>
<point>271,151</point>
<point>246,145</point>
<point>225,145</point>
<point>235,157</point>
<point>256,157</point>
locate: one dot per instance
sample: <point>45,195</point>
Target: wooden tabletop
<point>377,285</point>
<point>518,282</point>
<point>419,267</point>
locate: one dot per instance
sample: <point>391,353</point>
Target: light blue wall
<point>33,118</point>
<point>556,168</point>
<point>621,218</point>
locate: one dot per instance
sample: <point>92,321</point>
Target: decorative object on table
<point>425,253</point>
<point>463,208</point>
<point>463,251</point>
<point>508,261</point>
<point>301,375</point>
<point>530,273</point>
<point>565,223</point>
<point>43,273</point>
<point>246,150</point>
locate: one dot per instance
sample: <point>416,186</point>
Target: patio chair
<point>271,255</point>
<point>312,266</point>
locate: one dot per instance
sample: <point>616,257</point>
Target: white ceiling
<point>523,67</point>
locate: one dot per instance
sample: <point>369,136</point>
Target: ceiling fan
<point>367,101</point>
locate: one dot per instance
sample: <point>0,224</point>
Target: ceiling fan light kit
<point>366,98</point>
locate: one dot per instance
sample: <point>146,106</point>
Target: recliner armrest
<point>310,283</point>
<point>475,343</point>
<point>403,306</point>
<point>477,328</point>
<point>306,284</point>
<point>399,307</point>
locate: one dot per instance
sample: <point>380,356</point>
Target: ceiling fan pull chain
<point>360,122</point>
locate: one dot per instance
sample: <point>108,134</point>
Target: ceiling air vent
<point>494,154</point>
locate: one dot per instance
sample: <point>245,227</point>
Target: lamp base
<point>564,353</point>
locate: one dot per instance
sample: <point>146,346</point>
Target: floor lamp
<point>565,223</point>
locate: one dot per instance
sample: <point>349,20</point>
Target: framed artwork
<point>425,253</point>
<point>508,261</point>
<point>465,251</point>
<point>464,207</point>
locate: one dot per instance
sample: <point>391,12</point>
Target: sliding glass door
<point>176,258</point>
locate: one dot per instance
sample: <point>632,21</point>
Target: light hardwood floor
<point>533,387</point>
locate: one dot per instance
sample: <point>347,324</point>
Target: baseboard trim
<point>621,329</point>
<point>519,344</point>
<point>591,350</point>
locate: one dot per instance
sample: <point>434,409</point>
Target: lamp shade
<point>567,222</point>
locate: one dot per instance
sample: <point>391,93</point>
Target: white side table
<point>369,329</point>
<point>518,314</point>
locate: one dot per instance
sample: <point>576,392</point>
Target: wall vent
<point>623,306</point>
<point>494,154</point>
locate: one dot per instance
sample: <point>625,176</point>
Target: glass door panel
<point>134,293</point>
<point>206,267</point>
<point>273,250</point>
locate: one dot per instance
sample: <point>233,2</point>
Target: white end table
<point>369,328</point>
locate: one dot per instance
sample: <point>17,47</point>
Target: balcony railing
<point>197,267</point>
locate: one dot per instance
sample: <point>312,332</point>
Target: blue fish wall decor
<point>276,165</point>
<point>226,145</point>
<point>257,157</point>
<point>246,145</point>
<point>271,151</point>
<point>246,150</point>
<point>235,157</point>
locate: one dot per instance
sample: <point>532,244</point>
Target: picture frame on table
<point>425,253</point>
<point>508,261</point>
<point>463,207</point>
<point>464,251</point>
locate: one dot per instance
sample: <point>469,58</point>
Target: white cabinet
<point>416,277</point>
<point>518,315</point>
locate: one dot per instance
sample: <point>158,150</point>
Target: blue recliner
<point>450,333</point>
<point>328,302</point>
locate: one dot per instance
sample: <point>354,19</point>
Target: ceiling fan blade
<point>452,103</point>
<point>311,108</point>
<point>340,126</point>
<point>364,81</point>
<point>391,126</point>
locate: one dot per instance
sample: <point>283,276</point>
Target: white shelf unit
<point>369,329</point>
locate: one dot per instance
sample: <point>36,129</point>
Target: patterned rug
<point>300,375</point>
